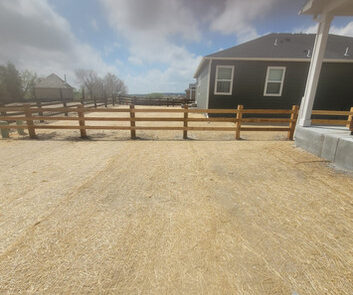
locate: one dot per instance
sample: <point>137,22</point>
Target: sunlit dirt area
<point>163,215</point>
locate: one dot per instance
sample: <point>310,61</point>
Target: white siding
<point>202,87</point>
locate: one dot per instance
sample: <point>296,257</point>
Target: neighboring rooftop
<point>283,45</point>
<point>52,81</point>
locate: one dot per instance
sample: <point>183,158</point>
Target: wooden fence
<point>346,118</point>
<point>163,101</point>
<point>241,122</point>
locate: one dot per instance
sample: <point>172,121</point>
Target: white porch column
<point>307,103</point>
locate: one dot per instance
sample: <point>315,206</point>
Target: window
<point>224,80</point>
<point>192,93</point>
<point>274,81</point>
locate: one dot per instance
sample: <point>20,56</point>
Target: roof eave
<point>200,66</point>
<point>307,8</point>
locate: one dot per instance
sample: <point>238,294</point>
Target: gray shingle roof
<point>52,81</point>
<point>288,46</point>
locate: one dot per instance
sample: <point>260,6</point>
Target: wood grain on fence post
<point>186,115</point>
<point>132,121</point>
<point>40,113</point>
<point>30,124</point>
<point>65,106</point>
<point>81,116</point>
<point>293,121</point>
<point>350,121</point>
<point>239,118</point>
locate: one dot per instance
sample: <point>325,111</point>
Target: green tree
<point>28,83</point>
<point>10,83</point>
<point>155,95</point>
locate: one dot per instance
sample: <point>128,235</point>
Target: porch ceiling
<point>334,7</point>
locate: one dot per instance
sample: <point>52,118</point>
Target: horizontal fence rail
<point>34,115</point>
<point>346,118</point>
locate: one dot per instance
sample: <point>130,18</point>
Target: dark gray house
<point>271,72</point>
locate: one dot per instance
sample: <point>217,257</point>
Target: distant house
<point>191,91</point>
<point>53,87</point>
<point>271,72</point>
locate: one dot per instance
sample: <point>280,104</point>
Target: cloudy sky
<point>153,45</point>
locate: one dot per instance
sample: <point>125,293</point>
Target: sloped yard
<point>170,216</point>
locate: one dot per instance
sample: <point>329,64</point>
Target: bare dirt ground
<point>166,216</point>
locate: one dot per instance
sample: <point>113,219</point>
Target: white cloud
<point>94,25</point>
<point>35,37</point>
<point>135,60</point>
<point>238,17</point>
<point>155,30</point>
<point>346,30</point>
<point>174,79</point>
<point>155,18</point>
<point>149,27</point>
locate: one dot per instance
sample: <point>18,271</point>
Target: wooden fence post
<point>239,118</point>
<point>186,115</point>
<point>83,96</point>
<point>95,101</point>
<point>350,121</point>
<point>132,122</point>
<point>3,113</point>
<point>105,100</point>
<point>293,122</point>
<point>39,105</point>
<point>113,100</point>
<point>65,106</point>
<point>81,116</point>
<point>30,124</point>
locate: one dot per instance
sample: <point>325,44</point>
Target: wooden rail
<point>163,101</point>
<point>346,118</point>
<point>13,109</point>
<point>78,113</point>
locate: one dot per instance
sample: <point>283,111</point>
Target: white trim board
<point>208,83</point>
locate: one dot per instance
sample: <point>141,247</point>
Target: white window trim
<point>267,81</point>
<point>231,81</point>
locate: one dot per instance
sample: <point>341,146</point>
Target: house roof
<point>52,81</point>
<point>289,47</point>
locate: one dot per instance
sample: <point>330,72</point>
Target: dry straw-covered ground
<point>212,216</point>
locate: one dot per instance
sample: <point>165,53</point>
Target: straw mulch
<point>176,217</point>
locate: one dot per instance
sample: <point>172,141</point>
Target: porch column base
<point>304,122</point>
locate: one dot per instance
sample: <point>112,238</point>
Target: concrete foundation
<point>328,142</point>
